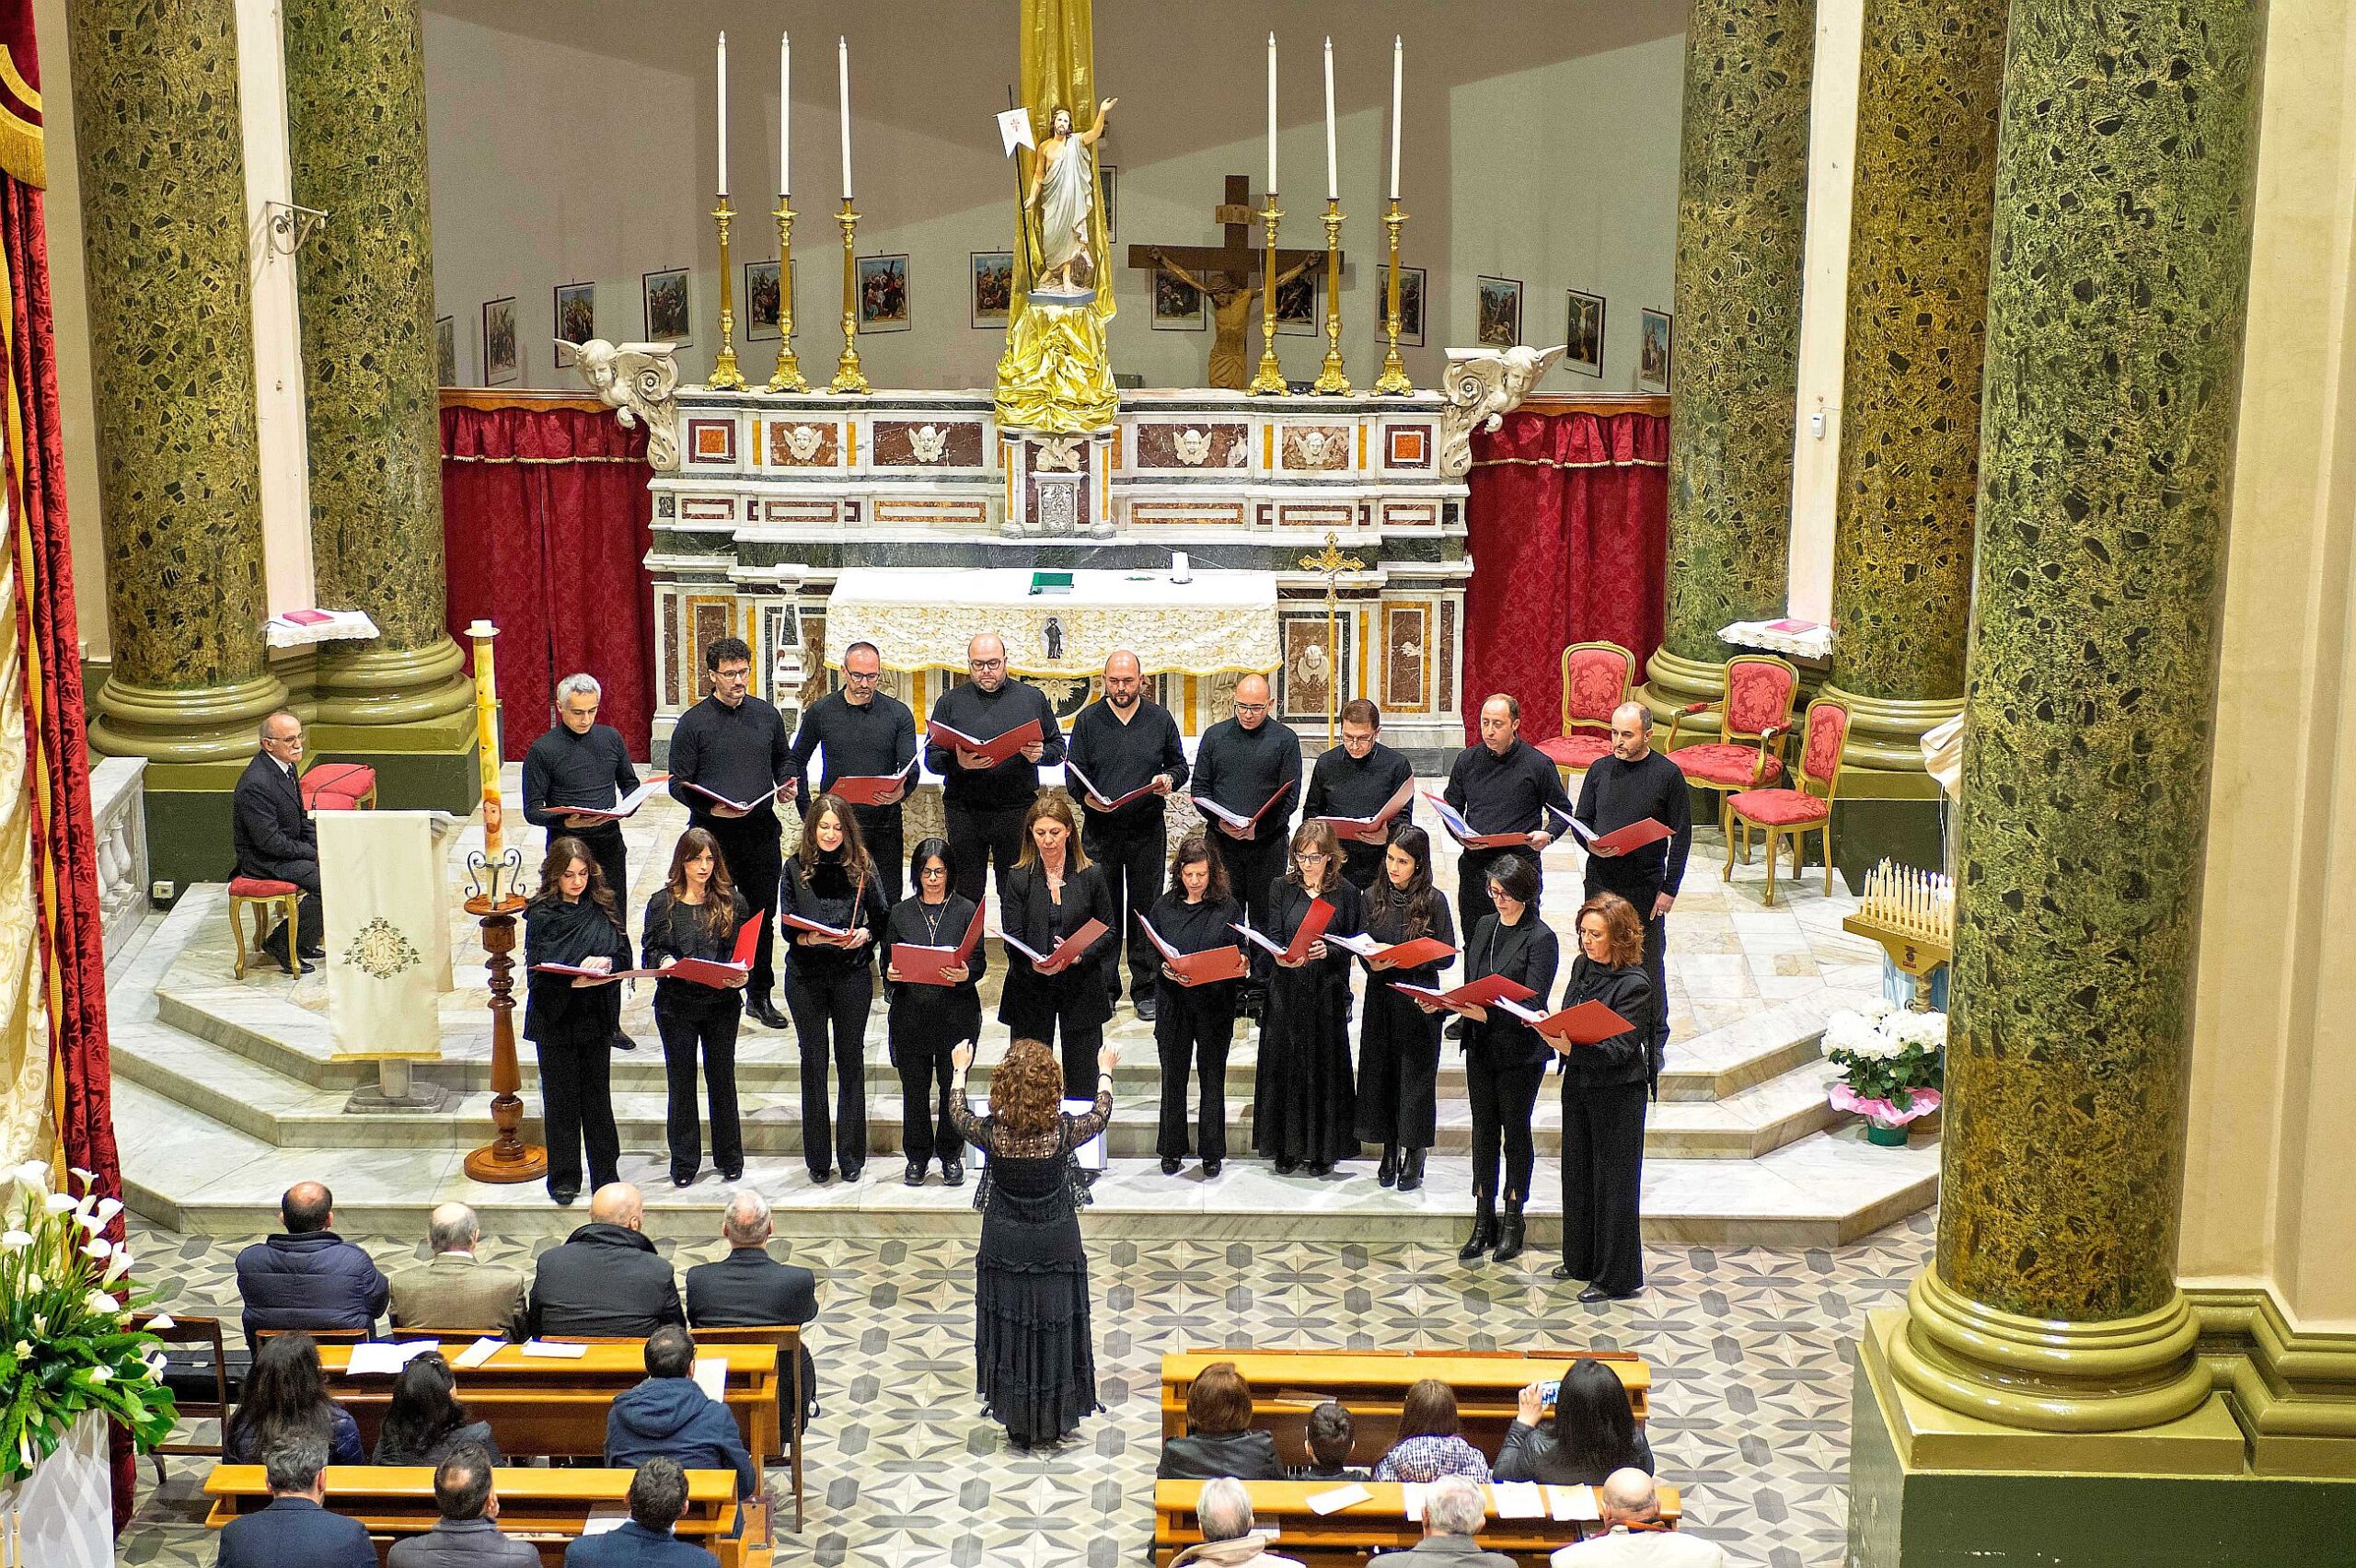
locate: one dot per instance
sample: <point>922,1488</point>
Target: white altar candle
<point>1272,114</point>
<point>1398,69</point>
<point>842,74</point>
<point>1332,168</point>
<point>724,114</point>
<point>785,113</point>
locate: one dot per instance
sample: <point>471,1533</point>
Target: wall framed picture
<point>668,317</point>
<point>1653,351</point>
<point>763,300</point>
<point>576,312</point>
<point>445,349</point>
<point>989,295</point>
<point>1583,332</point>
<point>1178,306</point>
<point>1411,305</point>
<point>1498,312</point>
<point>883,293</point>
<point>501,352</point>
<point>1108,184</point>
<point>1297,313</point>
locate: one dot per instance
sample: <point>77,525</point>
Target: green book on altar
<point>1051,582</point>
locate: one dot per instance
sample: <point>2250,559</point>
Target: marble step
<point>187,1171</point>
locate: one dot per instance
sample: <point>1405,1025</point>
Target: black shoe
<point>851,1172</point>
<point>1388,1171</point>
<point>820,1175</point>
<point>764,1013</point>
<point>1170,1164</point>
<point>914,1175</point>
<point>1320,1168</point>
<point>732,1172</point>
<point>1410,1170</point>
<point>1564,1271</point>
<point>952,1172</point>
<point>1510,1234</point>
<point>297,967</point>
<point>1484,1231</point>
<point>1145,1005</point>
<point>564,1197</point>
<point>679,1181</point>
<point>623,1042</point>
<point>1595,1293</point>
<point>1455,1029</point>
<point>1213,1167</point>
<point>312,951</point>
<point>1286,1167</point>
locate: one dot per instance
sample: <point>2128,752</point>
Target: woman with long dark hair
<point>1194,1023</point>
<point>572,1021</point>
<point>1594,1431</point>
<point>927,1020</point>
<point>1304,1108</point>
<point>425,1420</point>
<point>1505,1061</point>
<point>285,1395</point>
<point>1033,1357</point>
<point>696,914</point>
<point>1398,1041</point>
<point>829,880</point>
<point>1053,892</point>
<point>1603,1106</point>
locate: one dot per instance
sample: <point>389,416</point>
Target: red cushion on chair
<point>1758,695</point>
<point>261,887</point>
<point>1779,808</point>
<point>336,786</point>
<point>1576,752</point>
<point>331,803</point>
<point>1598,682</point>
<point>1721,762</point>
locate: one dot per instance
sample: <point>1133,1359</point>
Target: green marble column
<point>355,85</point>
<point>2115,312</point>
<point>172,364</point>
<point>1741,225</point>
<point>1928,81</point>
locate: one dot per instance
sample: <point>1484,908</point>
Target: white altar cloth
<point>922,619</point>
<point>385,896</point>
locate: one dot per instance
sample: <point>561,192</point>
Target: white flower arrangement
<point>1892,1061</point>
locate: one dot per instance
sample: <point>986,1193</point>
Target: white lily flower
<point>24,1349</point>
<point>100,1375</point>
<point>97,1250</point>
<point>58,1202</point>
<point>17,1240</point>
<point>161,1322</point>
<point>102,1304</point>
<point>87,1177</point>
<point>117,1266</point>
<point>108,1210</point>
<point>91,1222</point>
<point>32,1176</point>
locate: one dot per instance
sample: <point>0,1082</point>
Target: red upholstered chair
<point>1597,677</point>
<point>338,786</point>
<point>258,894</point>
<point>1752,723</point>
<point>1796,812</point>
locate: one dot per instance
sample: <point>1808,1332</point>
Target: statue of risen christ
<point>1063,193</point>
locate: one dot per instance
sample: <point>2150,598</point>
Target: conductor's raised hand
<point>1107,1060</point>
<point>962,1056</point>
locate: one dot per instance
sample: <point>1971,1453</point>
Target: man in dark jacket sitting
<point>658,1495</point>
<point>669,1415</point>
<point>605,1280</point>
<point>309,1277</point>
<point>297,1526</point>
<point>750,1289</point>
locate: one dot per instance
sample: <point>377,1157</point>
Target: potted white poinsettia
<point>70,1363</point>
<point>1892,1064</point>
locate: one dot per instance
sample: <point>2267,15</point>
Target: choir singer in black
<point>926,1021</point>
<point>1195,1023</point>
<point>985,804</point>
<point>732,746</point>
<point>1505,1060</point>
<point>696,914</point>
<point>1241,764</point>
<point>1632,784</point>
<point>1050,895</point>
<point>580,763</point>
<point>1399,1041</point>
<point>1126,741</point>
<point>1357,778</point>
<point>863,732</point>
<point>1603,1106</point>
<point>1503,785</point>
<point>830,881</point>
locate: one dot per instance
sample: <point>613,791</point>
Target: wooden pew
<point>1287,1383</point>
<point>1342,1540</point>
<point>546,1508</point>
<point>787,1337</point>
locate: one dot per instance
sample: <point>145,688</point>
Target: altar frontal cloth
<point>1218,621</point>
<point>382,883</point>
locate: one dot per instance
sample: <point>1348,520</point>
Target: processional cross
<point>1228,276</point>
<point>1332,562</point>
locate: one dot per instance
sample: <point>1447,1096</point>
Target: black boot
<point>763,1012</point>
<point>1509,1234</point>
<point>1388,1171</point>
<point>1410,1170</point>
<point>1484,1230</point>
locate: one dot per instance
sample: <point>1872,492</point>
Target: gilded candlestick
<point>848,375</point>
<point>725,376</point>
<point>1330,378</point>
<point>786,377</point>
<point>1394,382</point>
<point>1270,381</point>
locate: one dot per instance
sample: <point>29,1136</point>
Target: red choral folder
<point>1410,955</point>
<point>1375,829</point>
<point>1589,1024</point>
<point>1479,994</point>
<point>1621,840</point>
<point>1070,948</point>
<point>702,971</point>
<point>997,749</point>
<point>1312,926</point>
<point>874,788</point>
<point>924,964</point>
<point>1461,830</point>
<point>624,805</point>
<point>1198,968</point>
<point>1098,798</point>
<point>1214,809</point>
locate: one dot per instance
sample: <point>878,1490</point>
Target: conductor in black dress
<point>865,732</point>
<point>1357,778</point>
<point>1634,783</point>
<point>1241,764</point>
<point>734,745</point>
<point>1052,894</point>
<point>274,838</point>
<point>984,804</point>
<point>1603,1107</point>
<point>1126,741</point>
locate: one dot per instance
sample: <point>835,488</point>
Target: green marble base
<point>188,821</point>
<point>1866,831</point>
<point>425,765</point>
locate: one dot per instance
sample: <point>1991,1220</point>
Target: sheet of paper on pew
<point>475,1354</point>
<point>998,748</point>
<point>1340,1498</point>
<point>1312,926</point>
<point>1375,829</point>
<point>874,788</point>
<point>1410,1500</point>
<point>603,1520</point>
<point>1589,1024</point>
<point>1573,1503</point>
<point>385,1358</point>
<point>712,1376</point>
<point>554,1350</point>
<point>1517,1500</point>
<point>627,805</point>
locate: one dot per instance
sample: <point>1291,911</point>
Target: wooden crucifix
<point>1228,276</point>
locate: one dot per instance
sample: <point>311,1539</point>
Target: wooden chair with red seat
<point>1752,723</point>
<point>338,786</point>
<point>260,894</point>
<point>1797,812</point>
<point>1597,678</point>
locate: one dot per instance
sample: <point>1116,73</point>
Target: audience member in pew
<point>285,1395</point>
<point>1431,1443</point>
<point>1453,1510</point>
<point>1224,1512</point>
<point>1331,1434</point>
<point>605,1280</point>
<point>307,1276</point>
<point>658,1495</point>
<point>1593,1432</point>
<point>296,1527</point>
<point>425,1423</point>
<point>670,1416</point>
<point>750,1289</point>
<point>467,1535</point>
<point>456,1289</point>
<point>1630,1509</point>
<point>1219,1438</point>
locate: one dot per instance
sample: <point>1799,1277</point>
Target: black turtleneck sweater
<point>563,769</point>
<point>733,752</point>
<point>1241,768</point>
<point>986,715</point>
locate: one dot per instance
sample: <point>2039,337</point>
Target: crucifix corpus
<point>1229,276</point>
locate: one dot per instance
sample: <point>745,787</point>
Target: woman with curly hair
<point>1603,1106</point>
<point>572,1020</point>
<point>1034,1360</point>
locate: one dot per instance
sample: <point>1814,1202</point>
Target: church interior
<point>490,482</point>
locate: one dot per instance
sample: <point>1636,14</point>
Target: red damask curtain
<point>546,523</point>
<point>1569,527</point>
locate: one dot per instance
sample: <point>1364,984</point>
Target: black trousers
<point>1398,1070</point>
<point>1079,1042</point>
<point>750,846</point>
<point>1190,1031</point>
<point>829,1004</point>
<point>1252,866</point>
<point>1134,866</point>
<point>1603,1171</point>
<point>979,840</point>
<point>577,1110</point>
<point>713,1037</point>
<point>1472,869</point>
<point>878,829</point>
<point>1502,1099</point>
<point>927,1130</point>
<point>308,924</point>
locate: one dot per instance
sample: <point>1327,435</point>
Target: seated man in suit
<point>468,1535</point>
<point>658,1495</point>
<point>1630,1508</point>
<point>457,1290</point>
<point>1453,1509</point>
<point>297,1526</point>
<point>605,1280</point>
<point>307,1276</point>
<point>668,1414</point>
<point>274,838</point>
<point>748,1288</point>
<point>1224,1510</point>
